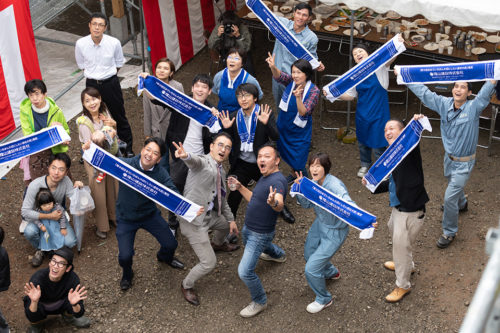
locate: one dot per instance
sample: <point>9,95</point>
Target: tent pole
<point>141,23</point>
<point>351,42</point>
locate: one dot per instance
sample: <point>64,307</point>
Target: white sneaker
<point>22,226</point>
<point>252,309</point>
<point>362,172</point>
<point>315,307</point>
<point>267,257</point>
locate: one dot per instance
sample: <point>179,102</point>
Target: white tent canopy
<point>484,14</point>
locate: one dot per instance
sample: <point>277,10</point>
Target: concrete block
<point>118,28</point>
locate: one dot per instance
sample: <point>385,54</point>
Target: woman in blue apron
<point>294,120</point>
<point>372,110</point>
<point>227,80</point>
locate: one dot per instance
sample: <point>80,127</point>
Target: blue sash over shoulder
<point>443,73</point>
<point>280,32</point>
<point>32,144</point>
<point>350,214</point>
<point>364,69</point>
<point>143,184</point>
<point>178,101</point>
<point>402,146</point>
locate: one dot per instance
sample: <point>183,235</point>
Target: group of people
<point>184,156</point>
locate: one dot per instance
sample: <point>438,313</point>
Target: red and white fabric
<point>175,27</point>
<point>18,60</point>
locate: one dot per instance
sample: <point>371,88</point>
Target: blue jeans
<point>156,226</point>
<point>457,174</point>
<point>321,244</point>
<point>32,234</point>
<point>278,90</point>
<point>365,154</point>
<point>255,243</point>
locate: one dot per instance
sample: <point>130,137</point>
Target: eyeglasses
<point>100,25</point>
<point>54,168</point>
<point>233,58</point>
<point>241,96</point>
<point>221,146</point>
<point>59,264</point>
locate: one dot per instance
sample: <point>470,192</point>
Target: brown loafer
<point>225,247</point>
<point>190,295</point>
<point>390,266</point>
<point>397,294</point>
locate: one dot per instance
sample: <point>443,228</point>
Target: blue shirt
<point>283,58</point>
<point>460,128</point>
<point>334,185</point>
<point>260,217</point>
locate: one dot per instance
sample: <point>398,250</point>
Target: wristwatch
<point>275,204</point>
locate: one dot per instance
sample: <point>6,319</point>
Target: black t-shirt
<point>40,120</point>
<point>260,217</point>
<point>4,269</point>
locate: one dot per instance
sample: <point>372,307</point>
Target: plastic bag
<point>81,201</point>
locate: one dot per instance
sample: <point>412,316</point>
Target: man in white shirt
<point>100,57</point>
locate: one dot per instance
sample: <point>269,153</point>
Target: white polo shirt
<point>99,61</point>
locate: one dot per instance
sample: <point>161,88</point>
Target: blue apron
<point>372,113</point>
<point>55,240</point>
<point>227,96</point>
<point>294,141</point>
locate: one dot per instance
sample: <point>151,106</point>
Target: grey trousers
<point>404,228</point>
<point>200,242</point>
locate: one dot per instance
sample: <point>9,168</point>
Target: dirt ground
<point>443,284</point>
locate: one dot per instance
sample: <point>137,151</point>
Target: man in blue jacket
<point>135,211</point>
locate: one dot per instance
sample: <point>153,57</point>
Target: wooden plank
<point>118,8</point>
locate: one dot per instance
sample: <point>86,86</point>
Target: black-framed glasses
<point>59,264</point>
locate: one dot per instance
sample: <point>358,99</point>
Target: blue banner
<point>402,146</point>
<point>181,103</point>
<point>443,73</point>
<point>364,69</point>
<point>32,144</point>
<point>143,184</point>
<point>280,32</point>
<point>350,214</point>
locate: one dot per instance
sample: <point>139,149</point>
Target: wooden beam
<point>118,9</point>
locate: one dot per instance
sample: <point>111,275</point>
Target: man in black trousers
<point>100,57</point>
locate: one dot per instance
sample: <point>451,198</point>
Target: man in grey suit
<point>205,185</point>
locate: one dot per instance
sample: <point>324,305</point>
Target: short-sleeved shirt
<point>260,217</point>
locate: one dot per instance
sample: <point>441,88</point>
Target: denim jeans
<point>156,226</point>
<point>255,243</point>
<point>321,244</point>
<point>458,174</point>
<point>365,154</point>
<point>32,234</point>
<point>278,90</point>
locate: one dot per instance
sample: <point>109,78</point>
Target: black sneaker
<point>37,258</point>
<point>444,241</point>
<point>81,322</point>
<point>125,284</point>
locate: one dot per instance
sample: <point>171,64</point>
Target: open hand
<point>264,114</point>
<point>77,295</point>
<point>225,120</point>
<point>34,293</point>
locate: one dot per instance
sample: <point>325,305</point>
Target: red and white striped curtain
<point>18,60</point>
<point>176,27</point>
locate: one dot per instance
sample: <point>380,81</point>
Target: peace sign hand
<point>270,59</point>
<point>180,152</point>
<point>271,199</point>
<point>225,120</point>
<point>264,114</point>
<point>299,177</point>
<point>298,91</point>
